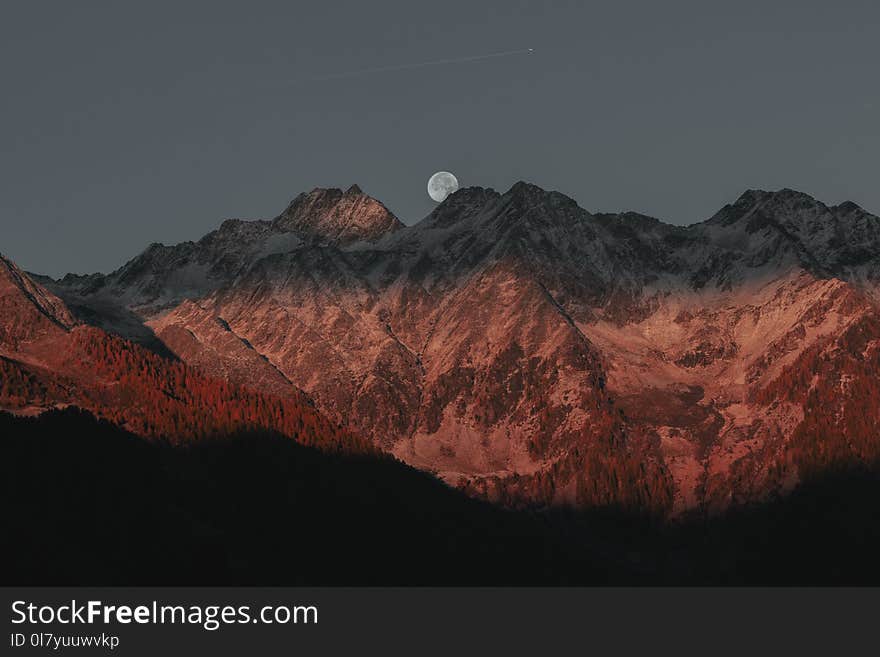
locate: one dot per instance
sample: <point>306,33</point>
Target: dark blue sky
<point>124,125</point>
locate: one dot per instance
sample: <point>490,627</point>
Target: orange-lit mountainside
<point>50,360</point>
<point>515,345</point>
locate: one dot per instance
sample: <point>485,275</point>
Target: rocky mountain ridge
<point>519,346</point>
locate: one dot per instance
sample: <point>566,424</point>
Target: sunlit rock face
<point>535,353</point>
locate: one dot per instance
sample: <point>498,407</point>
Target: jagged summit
<point>788,208</point>
<point>338,217</point>
<point>543,229</point>
<point>522,187</point>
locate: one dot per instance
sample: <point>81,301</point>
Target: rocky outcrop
<point>337,217</point>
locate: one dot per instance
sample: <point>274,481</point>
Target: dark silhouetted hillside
<point>87,503</point>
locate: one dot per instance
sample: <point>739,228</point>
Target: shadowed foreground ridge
<point>87,503</point>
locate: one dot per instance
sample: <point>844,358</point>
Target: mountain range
<point>520,348</point>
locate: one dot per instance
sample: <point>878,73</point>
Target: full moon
<point>441,185</point>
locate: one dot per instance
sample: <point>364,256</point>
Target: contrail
<point>405,67</point>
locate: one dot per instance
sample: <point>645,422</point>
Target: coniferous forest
<point>86,502</point>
